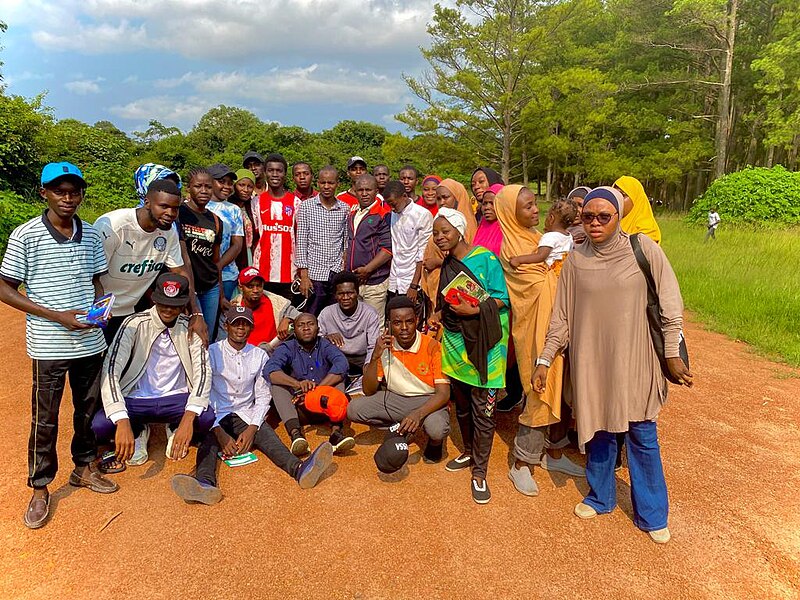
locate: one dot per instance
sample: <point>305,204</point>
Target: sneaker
<point>314,466</point>
<point>462,461</point>
<point>562,465</point>
<point>170,437</point>
<point>299,445</point>
<point>191,490</point>
<point>523,480</point>
<point>480,492</point>
<point>140,448</point>
<point>660,536</point>
<point>584,511</point>
<point>433,453</point>
<point>509,403</point>
<point>341,442</point>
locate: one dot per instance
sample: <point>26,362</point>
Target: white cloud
<point>82,87</point>
<point>233,29</point>
<point>170,111</point>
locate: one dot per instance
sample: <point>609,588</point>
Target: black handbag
<point>654,313</point>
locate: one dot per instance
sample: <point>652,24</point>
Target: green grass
<point>745,285</point>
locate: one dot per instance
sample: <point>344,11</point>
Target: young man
<point>155,373</point>
<point>240,399</point>
<point>381,174</point>
<point>409,365</point>
<point>232,225</point>
<point>138,244</point>
<point>713,223</point>
<point>303,178</point>
<point>321,231</point>
<point>272,314</point>
<point>298,366</point>
<point>408,177</point>
<point>356,167</point>
<point>368,251</point>
<point>412,227</point>
<point>273,217</point>
<point>59,259</point>
<point>255,163</point>
<point>352,326</point>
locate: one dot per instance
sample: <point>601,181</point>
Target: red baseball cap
<point>329,401</point>
<point>247,275</point>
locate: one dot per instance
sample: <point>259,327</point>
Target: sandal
<point>109,464</point>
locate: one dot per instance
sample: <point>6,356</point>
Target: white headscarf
<point>455,218</point>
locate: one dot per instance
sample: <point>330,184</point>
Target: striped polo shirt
<point>57,274</point>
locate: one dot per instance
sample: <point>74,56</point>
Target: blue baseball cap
<point>53,171</point>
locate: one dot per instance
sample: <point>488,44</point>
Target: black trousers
<point>266,440</point>
<point>49,378</point>
<point>475,414</point>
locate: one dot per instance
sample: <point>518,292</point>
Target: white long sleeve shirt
<point>237,385</point>
<point>411,230</point>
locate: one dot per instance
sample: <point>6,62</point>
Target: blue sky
<point>310,63</point>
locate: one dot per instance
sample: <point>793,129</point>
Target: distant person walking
<point>713,223</point>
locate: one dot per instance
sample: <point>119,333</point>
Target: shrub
<point>15,210</point>
<point>753,195</point>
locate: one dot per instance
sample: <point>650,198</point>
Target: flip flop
<point>109,464</point>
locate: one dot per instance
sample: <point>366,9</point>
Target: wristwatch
<point>414,286</point>
<point>542,361</point>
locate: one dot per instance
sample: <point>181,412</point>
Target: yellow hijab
<point>640,219</point>
<point>430,279</point>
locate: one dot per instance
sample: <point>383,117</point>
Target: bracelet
<point>542,362</point>
<point>196,314</point>
<point>414,286</point>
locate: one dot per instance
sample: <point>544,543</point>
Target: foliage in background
<point>743,285</point>
<point>753,195</point>
<point>14,210</point>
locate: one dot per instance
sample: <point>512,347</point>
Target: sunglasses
<point>602,218</point>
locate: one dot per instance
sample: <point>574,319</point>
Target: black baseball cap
<point>239,312</point>
<point>355,160</point>
<point>252,155</point>
<point>171,289</point>
<point>392,454</point>
<point>219,170</point>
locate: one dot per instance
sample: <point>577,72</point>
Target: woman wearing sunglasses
<point>618,386</point>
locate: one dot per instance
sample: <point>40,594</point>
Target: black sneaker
<point>459,462</point>
<point>341,442</point>
<point>299,445</point>
<point>509,403</point>
<point>314,466</point>
<point>433,453</point>
<point>480,492</point>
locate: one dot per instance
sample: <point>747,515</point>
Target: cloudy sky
<point>299,62</point>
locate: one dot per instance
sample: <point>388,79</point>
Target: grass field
<point>745,285</point>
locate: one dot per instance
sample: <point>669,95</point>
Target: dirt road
<point>730,448</point>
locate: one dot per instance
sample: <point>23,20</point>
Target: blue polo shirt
<point>57,274</point>
<point>292,359</point>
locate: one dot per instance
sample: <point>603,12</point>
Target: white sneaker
<point>140,455</point>
<point>660,536</point>
<point>562,465</point>
<point>170,437</point>
<point>523,480</point>
<point>584,511</point>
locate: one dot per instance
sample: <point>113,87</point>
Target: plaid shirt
<point>320,239</point>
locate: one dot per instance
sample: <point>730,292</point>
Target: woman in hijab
<point>576,229</point>
<point>428,198</point>
<point>147,174</point>
<point>489,233</point>
<point>482,179</point>
<point>242,196</point>
<point>616,374</point>
<point>531,288</point>
<point>449,194</point>
<point>472,305</point>
<point>638,212</point>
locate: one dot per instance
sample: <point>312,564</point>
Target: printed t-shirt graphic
<point>276,245</point>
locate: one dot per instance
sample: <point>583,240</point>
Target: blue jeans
<point>648,487</point>
<point>229,288</point>
<point>209,304</point>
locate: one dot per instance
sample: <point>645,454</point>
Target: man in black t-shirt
<point>202,231</point>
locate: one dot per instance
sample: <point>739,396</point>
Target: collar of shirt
<point>336,206</point>
<point>60,238</point>
<point>413,349</point>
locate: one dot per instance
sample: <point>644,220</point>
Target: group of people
<point>239,304</point>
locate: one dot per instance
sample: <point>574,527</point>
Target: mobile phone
<point>100,312</point>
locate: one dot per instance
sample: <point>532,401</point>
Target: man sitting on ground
<point>298,366</point>
<point>240,398</point>
<point>273,314</point>
<point>155,373</point>
<point>409,364</point>
<point>351,325</point>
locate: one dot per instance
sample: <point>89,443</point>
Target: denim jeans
<point>229,288</point>
<point>648,487</point>
<point>209,304</point>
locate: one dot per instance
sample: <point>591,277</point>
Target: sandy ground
<point>730,449</point>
